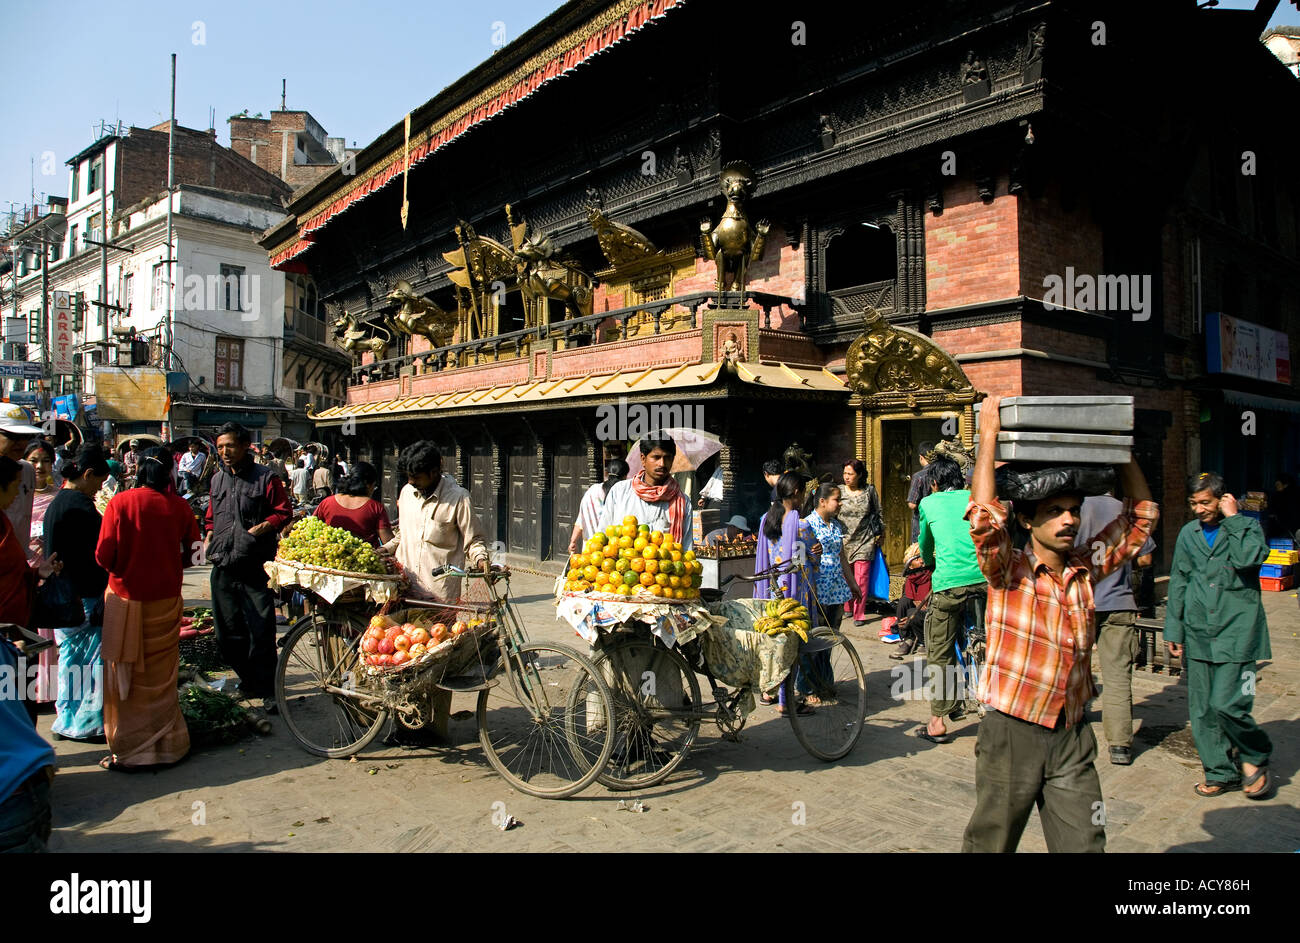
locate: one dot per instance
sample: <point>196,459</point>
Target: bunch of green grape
<point>314,542</point>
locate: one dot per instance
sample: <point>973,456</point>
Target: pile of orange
<point>630,559</point>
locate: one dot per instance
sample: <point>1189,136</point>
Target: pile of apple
<point>388,644</point>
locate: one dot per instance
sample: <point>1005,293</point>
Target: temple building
<point>832,233</point>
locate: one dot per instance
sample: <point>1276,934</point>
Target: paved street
<point>894,793</point>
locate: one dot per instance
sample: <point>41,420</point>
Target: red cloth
<point>364,522</point>
<point>145,542</point>
<point>15,577</point>
<point>669,491</point>
<point>916,584</point>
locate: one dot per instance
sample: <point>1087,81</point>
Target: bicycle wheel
<point>974,667</point>
<point>322,652</point>
<point>656,712</point>
<point>547,724</point>
<point>829,668</point>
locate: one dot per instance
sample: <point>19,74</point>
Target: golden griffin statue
<point>733,244</point>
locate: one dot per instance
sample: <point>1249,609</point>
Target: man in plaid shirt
<point>1036,747</point>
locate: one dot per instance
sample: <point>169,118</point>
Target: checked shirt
<point>1040,627</point>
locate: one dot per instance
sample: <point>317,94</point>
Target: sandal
<point>1223,789</point>
<point>1263,791</point>
<point>768,699</point>
<point>109,763</point>
<point>926,735</point>
<point>803,708</point>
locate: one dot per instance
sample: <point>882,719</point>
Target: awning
<point>1267,403</point>
<point>571,391</point>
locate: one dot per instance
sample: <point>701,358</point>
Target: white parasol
<point>693,447</point>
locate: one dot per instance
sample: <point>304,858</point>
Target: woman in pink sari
<point>48,482</point>
<point>148,537</point>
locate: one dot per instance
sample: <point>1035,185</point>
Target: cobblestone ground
<point>893,793</point>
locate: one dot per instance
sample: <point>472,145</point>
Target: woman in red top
<point>148,537</point>
<point>353,508</point>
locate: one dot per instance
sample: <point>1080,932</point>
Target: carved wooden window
<point>228,371</point>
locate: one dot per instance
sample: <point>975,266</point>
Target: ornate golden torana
<point>893,366</point>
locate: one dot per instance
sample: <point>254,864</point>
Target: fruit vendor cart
<point>649,649</point>
<point>368,654</point>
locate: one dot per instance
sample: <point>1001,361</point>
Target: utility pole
<point>168,333</point>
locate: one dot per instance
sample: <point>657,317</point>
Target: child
<point>913,604</point>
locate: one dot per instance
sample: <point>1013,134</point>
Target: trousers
<point>243,608</point>
<point>943,623</point>
<point>1019,765</point>
<point>1117,646</point>
<point>1220,698</point>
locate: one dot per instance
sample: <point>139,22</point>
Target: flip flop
<point>109,763</point>
<point>1223,790</point>
<point>926,735</point>
<point>802,710</point>
<point>1264,790</point>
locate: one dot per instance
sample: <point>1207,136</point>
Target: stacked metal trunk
<point>1066,430</point>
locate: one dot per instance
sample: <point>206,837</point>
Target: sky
<point>358,67</point>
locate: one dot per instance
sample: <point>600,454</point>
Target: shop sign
<point>1246,349</point>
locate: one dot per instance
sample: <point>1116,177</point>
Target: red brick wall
<point>1051,239</point>
<point>471,378</point>
<point>971,249</point>
<point>781,271</point>
<point>625,355</point>
<point>200,160</point>
<point>996,376</point>
<point>787,347</point>
<point>965,340</point>
<point>375,392</point>
<point>1056,341</point>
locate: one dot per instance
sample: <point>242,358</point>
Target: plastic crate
<point>1281,543</point>
<point>1283,557</point>
<point>1276,584</point>
<point>1274,571</point>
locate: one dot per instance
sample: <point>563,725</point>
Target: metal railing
<point>578,332</point>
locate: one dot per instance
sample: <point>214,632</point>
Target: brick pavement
<point>893,793</point>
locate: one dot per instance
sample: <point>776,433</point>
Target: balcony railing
<point>578,332</point>
<point>303,327</point>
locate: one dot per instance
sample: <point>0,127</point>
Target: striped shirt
<point>1041,627</point>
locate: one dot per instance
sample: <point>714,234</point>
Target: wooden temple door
<point>571,476</point>
<point>897,450</point>
<point>522,525</point>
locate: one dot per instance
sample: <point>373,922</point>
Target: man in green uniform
<point>1215,616</point>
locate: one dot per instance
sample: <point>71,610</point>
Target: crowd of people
<point>1051,578</point>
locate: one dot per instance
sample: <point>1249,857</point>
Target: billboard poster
<point>61,341</point>
<point>1246,349</point>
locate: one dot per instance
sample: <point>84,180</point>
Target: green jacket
<point>1214,604</point>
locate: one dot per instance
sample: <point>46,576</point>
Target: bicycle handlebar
<point>496,572</point>
<point>777,569</point>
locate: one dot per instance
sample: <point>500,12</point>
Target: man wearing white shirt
<point>652,496</point>
<point>191,466</point>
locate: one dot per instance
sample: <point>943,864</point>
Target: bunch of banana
<point>784,615</point>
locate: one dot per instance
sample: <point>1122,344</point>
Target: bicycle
<point>659,708</point>
<point>545,715</point>
<point>970,647</point>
